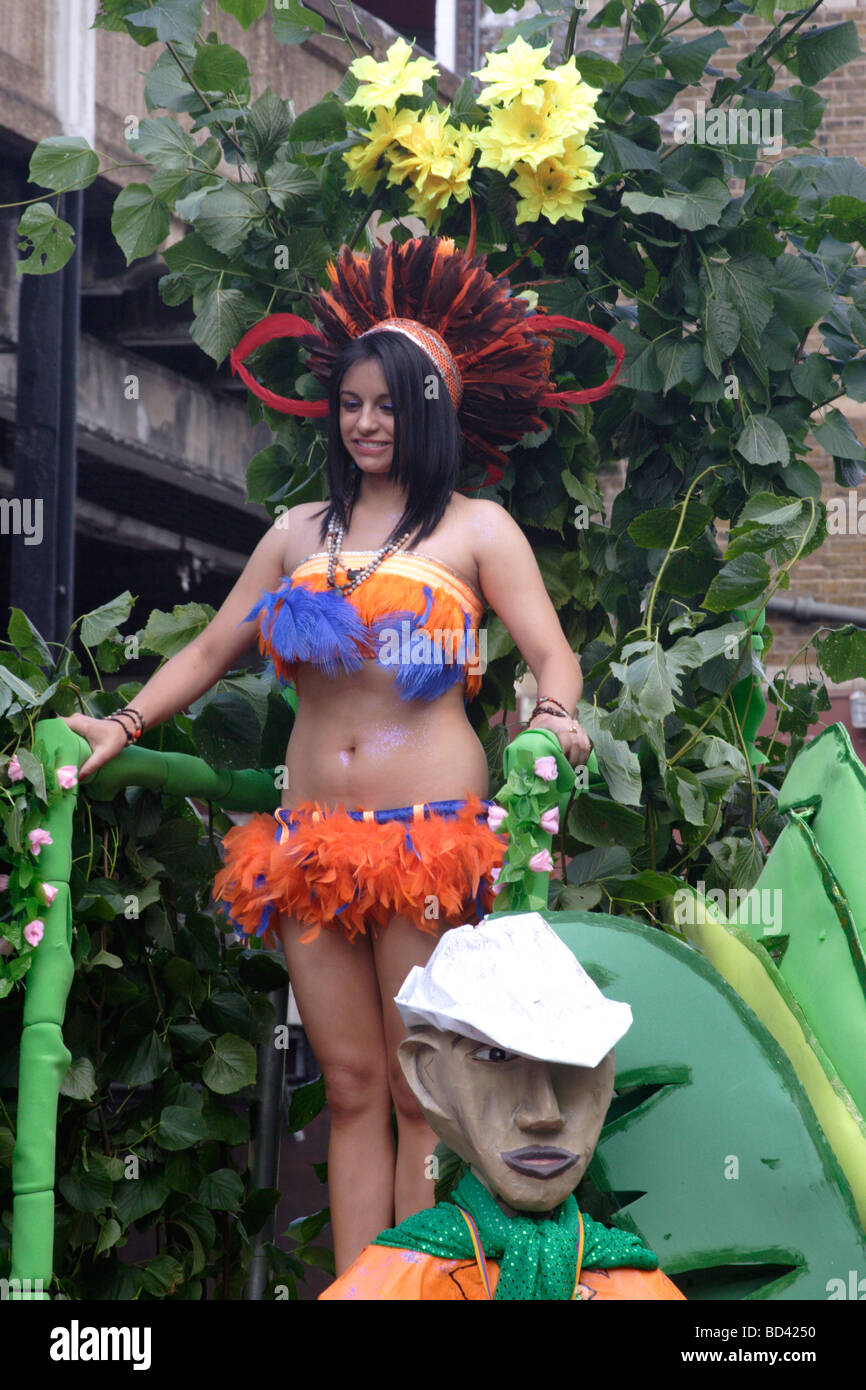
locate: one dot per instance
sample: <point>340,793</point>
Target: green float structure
<point>735,1145</point>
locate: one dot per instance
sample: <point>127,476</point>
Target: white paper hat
<point>512,983</point>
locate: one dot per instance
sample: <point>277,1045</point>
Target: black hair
<point>427,438</point>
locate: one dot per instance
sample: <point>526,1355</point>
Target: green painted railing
<point>44,1058</point>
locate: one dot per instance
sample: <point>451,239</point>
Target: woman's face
<point>367,416</point>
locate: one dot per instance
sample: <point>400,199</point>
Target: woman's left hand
<point>576,743</point>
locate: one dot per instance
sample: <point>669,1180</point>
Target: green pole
<point>44,1059</point>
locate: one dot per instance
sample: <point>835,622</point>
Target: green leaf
<point>164,143</point>
<point>175,21</point>
<point>86,1191</point>
<point>842,653</point>
<point>170,633</point>
<point>617,763</point>
<point>220,68</point>
<point>166,86</point>
<point>596,820</point>
<point>221,1191</point>
<point>266,128</point>
<point>800,292</point>
<point>836,435</point>
<point>821,51</point>
<point>294,23</point>
<point>622,153</point>
<point>161,1275</point>
<point>285,182</point>
<point>686,794</point>
<point>104,621</point>
<point>138,1062</point>
<point>50,240</point>
<point>813,378</point>
<point>232,1066</point>
<point>109,1234</point>
<point>140,221</point>
<point>137,1197</point>
<point>227,216</point>
<point>27,639</point>
<point>762,441</point>
<point>687,62</point>
<point>740,581</point>
<point>597,70</point>
<point>80,1080</point>
<point>324,121</point>
<point>26,693</point>
<point>246,12</point>
<point>656,529</point>
<point>648,680</point>
<point>692,209</point>
<point>34,771</point>
<point>306,1103</point>
<point>222,317</point>
<point>194,257</point>
<point>854,378</point>
<point>179,1127</point>
<point>62,162</point>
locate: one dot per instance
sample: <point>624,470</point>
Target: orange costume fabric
<point>384,1273</point>
<point>333,868</point>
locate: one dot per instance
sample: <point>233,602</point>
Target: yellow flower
<point>551,190</point>
<point>572,99</point>
<point>427,150</point>
<point>383,83</point>
<point>388,128</point>
<point>520,132</point>
<point>437,158</point>
<point>513,74</point>
<point>580,160</point>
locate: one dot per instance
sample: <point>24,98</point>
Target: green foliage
<point>165,1012</point>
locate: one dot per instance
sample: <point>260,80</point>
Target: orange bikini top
<point>414,616</point>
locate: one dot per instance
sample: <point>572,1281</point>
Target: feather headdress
<point>493,356</point>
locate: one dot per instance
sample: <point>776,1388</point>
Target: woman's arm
<point>202,662</point>
<point>512,584</point>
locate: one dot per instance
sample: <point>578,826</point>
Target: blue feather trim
<point>422,672</point>
<point>316,626</point>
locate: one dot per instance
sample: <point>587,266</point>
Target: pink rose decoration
<point>49,893</point>
<point>494,874</point>
<point>67,776</point>
<point>14,769</point>
<point>4,882</point>
<point>34,931</point>
<point>550,821</point>
<point>495,816</point>
<point>497,888</point>
<point>545,768</point>
<point>37,839</point>
<point>541,862</point>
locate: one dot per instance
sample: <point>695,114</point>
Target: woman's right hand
<point>105,736</point>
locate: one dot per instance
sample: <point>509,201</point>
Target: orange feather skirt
<point>352,871</point>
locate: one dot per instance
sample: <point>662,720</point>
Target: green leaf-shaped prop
<point>721,1164</point>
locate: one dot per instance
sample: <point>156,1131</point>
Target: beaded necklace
<point>335,541</point>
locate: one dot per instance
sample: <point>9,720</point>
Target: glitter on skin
<point>388,736</point>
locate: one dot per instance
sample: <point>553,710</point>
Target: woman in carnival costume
<point>371,604</point>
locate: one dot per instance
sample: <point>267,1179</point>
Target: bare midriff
<point>357,742</point>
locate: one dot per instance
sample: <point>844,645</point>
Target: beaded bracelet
<point>142,722</point>
<point>549,700</point>
<point>124,727</point>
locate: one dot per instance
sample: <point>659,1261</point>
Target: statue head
<point>510,1056</point>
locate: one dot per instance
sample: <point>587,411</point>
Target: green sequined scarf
<point>537,1255</point>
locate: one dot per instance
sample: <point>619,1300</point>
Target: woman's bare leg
<point>400,946</point>
<point>337,993</point>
